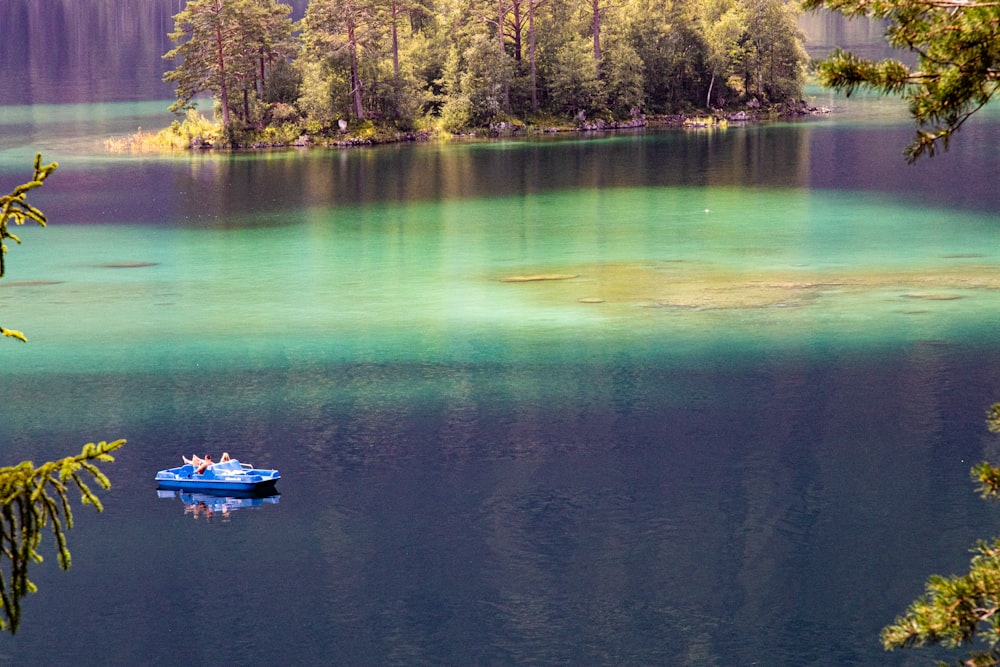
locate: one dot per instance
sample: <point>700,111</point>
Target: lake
<point>733,425</point>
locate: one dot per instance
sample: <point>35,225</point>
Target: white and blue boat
<point>226,476</point>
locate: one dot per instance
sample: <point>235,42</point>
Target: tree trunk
<point>708,98</point>
<point>531,55</point>
<point>221,63</point>
<point>395,41</point>
<point>505,101</point>
<point>516,27</point>
<point>595,5</point>
<point>359,111</point>
<point>260,80</point>
<point>500,22</point>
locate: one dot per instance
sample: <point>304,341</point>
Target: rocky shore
<point>714,118</point>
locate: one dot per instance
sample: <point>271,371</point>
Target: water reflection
<point>211,506</point>
<point>85,50</point>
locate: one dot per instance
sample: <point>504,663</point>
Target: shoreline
<point>141,142</point>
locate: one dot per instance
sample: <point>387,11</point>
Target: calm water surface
<point>736,431</point>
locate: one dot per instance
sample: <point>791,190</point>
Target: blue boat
<point>226,476</point>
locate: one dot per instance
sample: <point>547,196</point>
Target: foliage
<point>15,208</point>
<point>201,33</point>
<point>722,24</point>
<point>771,51</point>
<point>987,478</point>
<point>194,130</point>
<point>475,62</point>
<point>282,87</point>
<point>960,610</point>
<point>227,47</point>
<point>957,43</point>
<point>345,36</point>
<point>456,114</point>
<point>32,499</point>
<point>322,99</point>
<point>480,74</point>
<point>574,81</point>
<point>622,72</point>
<point>279,135</point>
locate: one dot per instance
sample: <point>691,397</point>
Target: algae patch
<point>705,286</point>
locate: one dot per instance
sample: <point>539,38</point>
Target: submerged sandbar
<point>694,286</point>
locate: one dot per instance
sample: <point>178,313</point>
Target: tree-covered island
<point>370,70</point>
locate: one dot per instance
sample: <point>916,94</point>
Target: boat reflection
<point>208,506</point>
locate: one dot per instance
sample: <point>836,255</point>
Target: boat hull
<point>221,477</point>
<point>262,486</point>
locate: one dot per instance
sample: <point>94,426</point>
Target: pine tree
<point>223,47</point>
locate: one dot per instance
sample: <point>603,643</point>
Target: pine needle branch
<point>32,498</point>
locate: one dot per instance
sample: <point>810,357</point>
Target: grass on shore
<point>194,130</point>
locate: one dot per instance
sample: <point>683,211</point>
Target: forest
<point>459,64</point>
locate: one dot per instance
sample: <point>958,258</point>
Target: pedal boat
<point>226,476</point>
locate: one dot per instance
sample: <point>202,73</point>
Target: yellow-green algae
<point>682,285</point>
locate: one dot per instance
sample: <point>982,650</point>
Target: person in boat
<point>206,463</point>
<point>196,460</point>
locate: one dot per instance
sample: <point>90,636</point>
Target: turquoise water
<point>728,420</point>
<point>695,267</point>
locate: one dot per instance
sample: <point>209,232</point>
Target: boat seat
<point>232,465</point>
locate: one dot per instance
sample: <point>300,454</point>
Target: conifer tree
<point>340,31</point>
<point>224,47</point>
<point>464,60</point>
